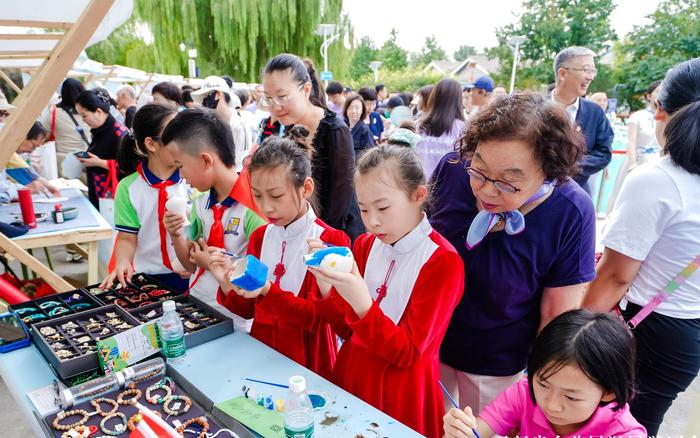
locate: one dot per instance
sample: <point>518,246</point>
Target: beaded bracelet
<point>131,391</point>
<point>82,431</point>
<point>118,429</point>
<point>48,304</point>
<point>158,399</point>
<point>147,376</point>
<point>202,421</point>
<point>34,317</point>
<point>78,306</point>
<point>65,414</point>
<point>134,421</point>
<point>96,403</point>
<point>58,311</point>
<point>172,398</point>
<point>24,310</point>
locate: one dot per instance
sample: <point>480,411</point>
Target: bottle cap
<point>168,306</point>
<point>58,207</point>
<point>297,384</point>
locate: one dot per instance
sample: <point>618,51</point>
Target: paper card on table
<point>267,423</point>
<point>41,199</point>
<point>128,347</point>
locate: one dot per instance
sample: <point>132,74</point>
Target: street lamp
<point>374,65</point>
<point>326,30</point>
<point>515,43</point>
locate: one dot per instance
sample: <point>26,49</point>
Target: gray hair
<point>570,53</point>
<point>128,90</point>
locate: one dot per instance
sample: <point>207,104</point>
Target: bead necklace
<point>147,376</point>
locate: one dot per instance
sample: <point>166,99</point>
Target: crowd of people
<point>471,223</point>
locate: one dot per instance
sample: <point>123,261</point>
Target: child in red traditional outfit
<point>394,307</point>
<point>285,318</point>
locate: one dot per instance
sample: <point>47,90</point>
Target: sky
<point>458,22</point>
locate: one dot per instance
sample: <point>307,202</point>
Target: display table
<point>218,369</point>
<point>89,227</point>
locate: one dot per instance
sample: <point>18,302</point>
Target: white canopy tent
<point>26,39</point>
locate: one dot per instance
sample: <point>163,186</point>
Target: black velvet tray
<point>195,411</point>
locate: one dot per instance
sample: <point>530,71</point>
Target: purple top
<point>496,321</point>
<point>431,149</point>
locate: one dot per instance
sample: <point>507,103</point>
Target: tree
<point>464,52</point>
<point>393,57</point>
<point>363,54</point>
<point>234,37</point>
<point>550,26</point>
<point>430,52</point>
<point>672,36</point>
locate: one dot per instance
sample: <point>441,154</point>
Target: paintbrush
<point>454,403</point>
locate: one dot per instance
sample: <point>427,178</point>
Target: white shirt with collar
<point>409,255</point>
<point>293,237</point>
<point>572,109</point>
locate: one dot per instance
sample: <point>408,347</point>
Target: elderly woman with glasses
<point>525,231</point>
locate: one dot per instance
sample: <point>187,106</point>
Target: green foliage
<point>234,37</point>
<point>393,57</point>
<point>464,52</point>
<point>645,55</point>
<point>363,54</point>
<point>430,52</point>
<point>550,26</point>
<point>409,79</point>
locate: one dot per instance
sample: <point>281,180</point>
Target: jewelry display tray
<point>207,331</point>
<point>143,284</point>
<point>201,405</point>
<point>81,362</point>
<point>65,299</point>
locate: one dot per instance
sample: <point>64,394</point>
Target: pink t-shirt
<point>515,410</point>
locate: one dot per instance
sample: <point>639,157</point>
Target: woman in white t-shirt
<point>653,234</point>
<point>642,145</point>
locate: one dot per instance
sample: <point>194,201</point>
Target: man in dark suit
<point>574,70</point>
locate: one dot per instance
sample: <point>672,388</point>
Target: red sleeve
<point>437,291</point>
<point>243,307</point>
<point>334,308</point>
<point>301,310</point>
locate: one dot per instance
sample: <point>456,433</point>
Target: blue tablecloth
<point>88,216</point>
<point>218,369</point>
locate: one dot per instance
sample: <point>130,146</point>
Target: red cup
<point>27,207</point>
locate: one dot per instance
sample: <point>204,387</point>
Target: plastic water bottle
<point>172,334</point>
<point>298,411</point>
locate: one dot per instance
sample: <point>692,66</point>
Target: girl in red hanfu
<point>394,318</point>
<point>285,318</point>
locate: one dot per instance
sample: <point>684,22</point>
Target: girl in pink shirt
<point>580,378</point>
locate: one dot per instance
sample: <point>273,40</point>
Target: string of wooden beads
<point>65,414</point>
<point>96,403</point>
<point>172,398</point>
<point>131,391</point>
<point>147,376</point>
<point>202,421</point>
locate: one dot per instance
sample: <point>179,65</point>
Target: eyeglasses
<point>501,186</point>
<point>279,101</point>
<point>585,70</point>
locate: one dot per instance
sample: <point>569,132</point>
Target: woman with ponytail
<point>139,204</point>
<point>294,96</point>
<point>652,246</point>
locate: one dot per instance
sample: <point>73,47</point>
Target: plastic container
<point>298,411</point>
<point>91,389</point>
<point>172,334</point>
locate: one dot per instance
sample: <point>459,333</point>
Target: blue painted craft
<point>250,273</point>
<point>337,258</point>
